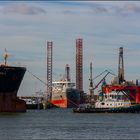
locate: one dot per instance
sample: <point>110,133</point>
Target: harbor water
<point>63,124</point>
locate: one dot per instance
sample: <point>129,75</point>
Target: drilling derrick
<point>49,69</point>
<point>121,66</point>
<point>67,72</point>
<point>79,64</point>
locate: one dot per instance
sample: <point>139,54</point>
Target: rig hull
<point>133,91</point>
<point>10,80</point>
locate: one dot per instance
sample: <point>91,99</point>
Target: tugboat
<point>112,102</point>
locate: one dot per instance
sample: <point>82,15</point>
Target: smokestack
<point>67,72</point>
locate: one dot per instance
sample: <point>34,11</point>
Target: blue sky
<point>25,26</point>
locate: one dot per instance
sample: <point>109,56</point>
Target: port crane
<point>103,79</point>
<point>91,87</point>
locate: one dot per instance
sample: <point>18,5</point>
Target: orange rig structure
<point>62,93</point>
<point>79,68</point>
<point>119,83</point>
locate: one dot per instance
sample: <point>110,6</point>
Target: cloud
<point>127,9</point>
<point>101,10</point>
<point>82,7</point>
<point>68,12</point>
<point>123,9</point>
<point>98,8</point>
<point>132,8</point>
<point>23,9</point>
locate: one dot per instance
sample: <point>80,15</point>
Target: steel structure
<point>121,66</point>
<point>49,69</point>
<point>79,64</point>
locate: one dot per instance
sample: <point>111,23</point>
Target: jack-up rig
<point>62,93</point>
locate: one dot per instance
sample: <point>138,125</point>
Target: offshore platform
<point>79,77</point>
<point>119,83</point>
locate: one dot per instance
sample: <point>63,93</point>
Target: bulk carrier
<point>10,80</point>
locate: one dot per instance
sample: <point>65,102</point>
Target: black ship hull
<point>10,80</point>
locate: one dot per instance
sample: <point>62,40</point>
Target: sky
<point>104,26</point>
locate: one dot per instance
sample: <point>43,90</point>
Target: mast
<point>5,56</point>
<point>121,66</point>
<point>91,82</point>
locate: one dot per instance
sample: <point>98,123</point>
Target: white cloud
<point>23,9</point>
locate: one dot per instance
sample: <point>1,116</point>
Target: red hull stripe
<point>60,103</point>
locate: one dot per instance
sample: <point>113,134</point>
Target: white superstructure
<point>112,100</point>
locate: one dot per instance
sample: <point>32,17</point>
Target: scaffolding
<point>49,69</point>
<point>79,64</point>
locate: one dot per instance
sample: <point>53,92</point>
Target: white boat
<point>109,103</point>
<point>111,100</point>
<point>32,102</point>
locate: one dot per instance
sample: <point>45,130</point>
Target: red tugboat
<point>10,80</point>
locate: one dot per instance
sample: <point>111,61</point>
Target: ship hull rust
<point>10,80</point>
